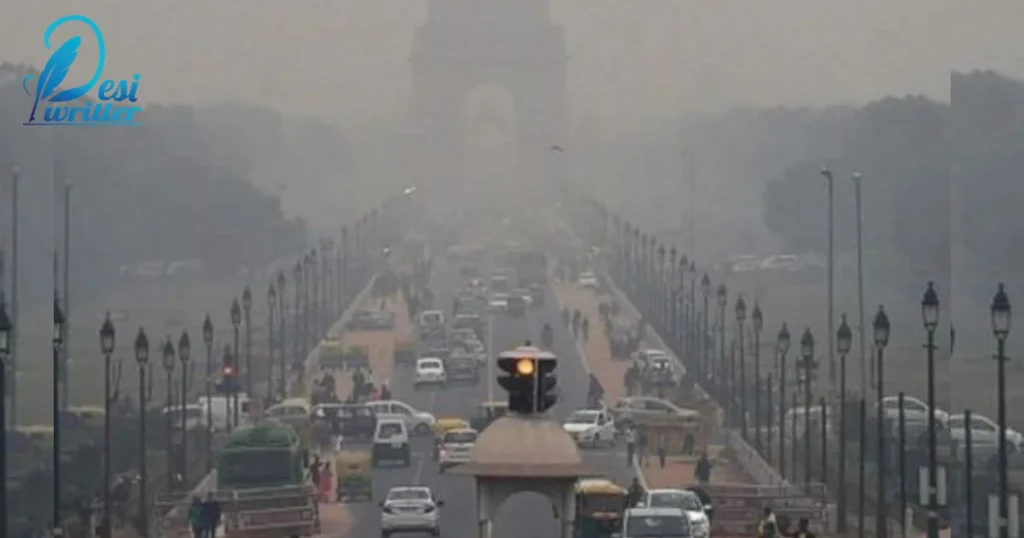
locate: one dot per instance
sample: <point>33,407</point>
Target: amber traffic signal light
<point>529,378</point>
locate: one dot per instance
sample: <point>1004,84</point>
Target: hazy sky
<point>631,60</point>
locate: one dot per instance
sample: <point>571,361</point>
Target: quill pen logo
<point>54,103</point>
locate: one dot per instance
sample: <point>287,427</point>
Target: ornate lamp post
<point>807,357</point>
<point>208,340</point>
<point>107,347</point>
<point>272,303</point>
<point>881,333</point>
<point>781,348</point>
<point>705,357</point>
<point>930,317</point>
<point>297,314</point>
<point>6,328</point>
<point>283,322</point>
<point>741,316</point>
<point>247,308</point>
<point>236,320</point>
<point>168,364</point>
<point>723,298</point>
<point>142,358</point>
<point>844,340</point>
<point>59,332</point>
<point>184,355</point>
<point>1001,315</point>
<point>758,320</point>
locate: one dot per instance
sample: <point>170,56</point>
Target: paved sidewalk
<point>679,471</point>
<point>597,350</point>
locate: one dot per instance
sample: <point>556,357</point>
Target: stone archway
<point>466,44</point>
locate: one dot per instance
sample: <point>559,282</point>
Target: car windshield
<point>430,365</point>
<point>583,417</point>
<point>676,499</point>
<point>460,437</point>
<point>408,494</point>
<point>432,318</point>
<point>656,527</point>
<point>389,429</point>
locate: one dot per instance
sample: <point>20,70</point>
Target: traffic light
<point>530,379</point>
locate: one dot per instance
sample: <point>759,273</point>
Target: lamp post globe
<point>723,295</point>
<point>930,308</point>
<point>807,344</point>
<point>58,322</point>
<point>844,337</point>
<point>881,328</point>
<point>280,281</point>
<point>705,285</point>
<point>741,309</point>
<point>272,297</point>
<point>782,340</point>
<point>236,312</point>
<point>247,299</point>
<point>1001,313</point>
<point>208,330</point>
<point>107,336</point>
<point>184,348</point>
<point>168,355</point>
<point>757,317</point>
<point>141,347</point>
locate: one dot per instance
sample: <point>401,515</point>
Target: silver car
<point>410,509</point>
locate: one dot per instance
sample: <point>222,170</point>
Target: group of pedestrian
<point>637,447</point>
<point>320,476</point>
<point>204,516</point>
<point>771,527</point>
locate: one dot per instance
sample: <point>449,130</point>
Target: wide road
<point>524,515</point>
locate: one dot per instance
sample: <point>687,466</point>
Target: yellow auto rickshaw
<point>444,425</point>
<point>487,413</point>
<point>599,507</point>
<point>353,475</point>
<point>294,412</point>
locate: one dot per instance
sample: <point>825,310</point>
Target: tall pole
<point>283,322</point>
<point>58,335</point>
<point>13,357</point>
<point>234,395</point>
<point>860,289</point>
<point>169,424</point>
<point>270,352</point>
<point>933,499</point>
<point>831,278</point>
<point>883,516</point>
<point>143,466</point>
<point>3,446</point>
<point>209,403</point>
<point>67,291</point>
<point>1004,493</point>
<point>782,413</point>
<point>107,401</point>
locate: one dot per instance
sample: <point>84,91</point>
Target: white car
<point>685,500</point>
<point>984,431</point>
<point>588,280</point>
<point>410,509</point>
<point>418,422</point>
<point>655,522</point>
<point>455,447</point>
<point>914,410</point>
<point>499,302</point>
<point>430,370</point>
<point>195,416</point>
<point>590,427</point>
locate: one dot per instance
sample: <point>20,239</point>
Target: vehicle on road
<point>332,354</point>
<point>371,320</point>
<point>353,474</point>
<point>430,370</point>
<point>914,410</point>
<point>195,416</point>
<point>297,413</point>
<point>469,319</point>
<point>410,509</point>
<point>499,284</point>
<point>261,483</point>
<point>455,446</point>
<point>633,410</point>
<point>418,422</point>
<point>488,412</point>
<point>599,507</point>
<point>531,268</point>
<point>391,443</point>
<point>655,523</point>
<point>590,427</point>
<point>354,422</point>
<point>685,500</point>
<point>515,306</point>
<point>588,280</point>
<point>498,302</point>
<point>431,323</point>
<point>984,431</point>
<point>537,295</point>
<point>460,335</point>
<point>463,366</point>
<point>221,407</point>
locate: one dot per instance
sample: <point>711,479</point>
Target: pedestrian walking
<point>662,450</point>
<point>630,437</point>
<point>641,446</point>
<point>195,518</point>
<point>211,515</point>
<point>324,484</point>
<point>702,471</point>
<point>314,471</point>
<point>585,327</point>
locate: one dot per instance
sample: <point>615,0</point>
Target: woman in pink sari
<point>326,476</point>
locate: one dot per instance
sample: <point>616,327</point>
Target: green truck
<point>261,484</point>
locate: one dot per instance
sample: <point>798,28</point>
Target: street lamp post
<point>844,339</point>
<point>272,303</point>
<point>247,309</point>
<point>741,317</point>
<point>297,314</point>
<point>142,358</point>
<point>881,330</point>
<point>168,363</point>
<point>807,366</point>
<point>306,305</point>
<point>6,328</point>
<point>236,320</point>
<point>184,355</point>
<point>208,340</point>
<point>704,359</point>
<point>930,316</point>
<point>758,320</point>
<point>283,322</point>
<point>723,297</point>
<point>107,347</point>
<point>831,273</point>
<point>59,332</point>
<point>1001,315</point>
<point>314,315</point>
<point>781,348</point>
<point>691,327</point>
